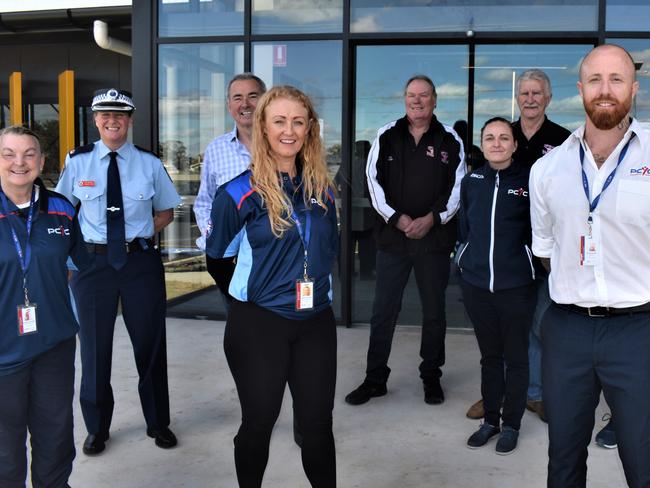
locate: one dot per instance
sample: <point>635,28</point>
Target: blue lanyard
<point>304,235</point>
<point>23,257</point>
<point>585,184</point>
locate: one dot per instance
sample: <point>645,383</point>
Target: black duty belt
<point>136,245</point>
<point>603,311</point>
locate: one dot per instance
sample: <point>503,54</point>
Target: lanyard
<point>585,184</point>
<point>23,257</point>
<point>304,234</point>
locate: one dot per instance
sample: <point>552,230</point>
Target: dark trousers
<point>39,398</point>
<point>265,352</point>
<point>581,356</point>
<point>221,271</point>
<point>502,323</point>
<point>431,276</point>
<point>140,286</point>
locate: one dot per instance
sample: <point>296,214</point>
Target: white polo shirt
<point>621,221</point>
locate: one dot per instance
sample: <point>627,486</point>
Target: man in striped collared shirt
<point>226,157</point>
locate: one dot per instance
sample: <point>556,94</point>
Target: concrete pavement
<point>396,441</point>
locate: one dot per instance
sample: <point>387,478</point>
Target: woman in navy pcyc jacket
<point>497,276</point>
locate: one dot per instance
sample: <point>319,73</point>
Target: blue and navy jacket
<point>55,235</point>
<point>268,267</point>
<point>494,228</point>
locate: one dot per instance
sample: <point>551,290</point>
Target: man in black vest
<point>414,170</point>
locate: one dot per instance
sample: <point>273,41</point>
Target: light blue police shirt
<point>146,186</point>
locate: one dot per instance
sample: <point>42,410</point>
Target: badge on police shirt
<point>590,246</point>
<point>304,294</point>
<point>27,319</point>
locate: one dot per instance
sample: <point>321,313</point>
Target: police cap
<point>112,100</point>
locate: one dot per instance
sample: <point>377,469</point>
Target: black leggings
<point>265,352</point>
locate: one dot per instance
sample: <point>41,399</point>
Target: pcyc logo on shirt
<point>644,171</point>
<point>59,231</point>
<point>520,192</point>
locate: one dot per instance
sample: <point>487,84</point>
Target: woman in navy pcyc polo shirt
<point>279,219</point>
<point>38,232</point>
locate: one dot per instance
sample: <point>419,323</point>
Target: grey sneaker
<point>482,435</point>
<point>507,441</point>
<point>607,436</point>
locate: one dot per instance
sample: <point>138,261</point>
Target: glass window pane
<point>292,17</point>
<point>381,74</point>
<point>186,18</point>
<point>192,83</point>
<point>628,15</point>
<point>45,122</point>
<point>640,51</point>
<point>315,68</point>
<point>477,15</point>
<point>497,67</point>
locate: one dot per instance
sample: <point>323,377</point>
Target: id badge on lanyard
<point>26,311</point>
<point>590,245</point>
<point>304,285</point>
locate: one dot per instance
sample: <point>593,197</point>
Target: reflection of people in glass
<point>37,353</point>
<point>414,170</point>
<point>497,276</point>
<point>473,155</point>
<point>535,135</point>
<point>126,197</point>
<point>226,157</point>
<point>363,215</point>
<point>279,219</point>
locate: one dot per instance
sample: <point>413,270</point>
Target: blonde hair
<point>266,178</point>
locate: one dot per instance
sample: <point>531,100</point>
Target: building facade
<point>352,57</point>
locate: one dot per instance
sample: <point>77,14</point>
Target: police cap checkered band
<point>111,99</point>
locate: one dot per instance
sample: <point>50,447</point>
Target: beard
<point>606,119</point>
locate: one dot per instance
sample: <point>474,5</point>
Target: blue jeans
<point>534,341</point>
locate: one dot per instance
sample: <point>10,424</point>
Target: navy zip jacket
<point>55,235</point>
<point>494,228</point>
<point>268,267</point>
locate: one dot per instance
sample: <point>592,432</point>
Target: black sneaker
<point>607,436</point>
<point>365,392</point>
<point>433,394</point>
<point>482,436</point>
<point>507,441</point>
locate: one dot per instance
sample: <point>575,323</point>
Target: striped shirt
<point>225,157</point>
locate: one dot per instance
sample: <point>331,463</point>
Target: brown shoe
<point>476,411</point>
<point>537,406</point>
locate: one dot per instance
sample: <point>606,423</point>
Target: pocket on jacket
<point>459,255</point>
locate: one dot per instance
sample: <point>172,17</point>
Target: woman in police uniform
<point>38,231</point>
<point>279,219</point>
<point>126,197</point>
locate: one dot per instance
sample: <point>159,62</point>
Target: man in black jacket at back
<point>414,170</point>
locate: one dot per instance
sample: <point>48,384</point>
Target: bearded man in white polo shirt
<point>589,208</point>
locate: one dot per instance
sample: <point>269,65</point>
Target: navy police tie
<point>115,233</point>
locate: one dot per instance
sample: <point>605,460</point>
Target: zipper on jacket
<point>492,219</point>
<point>530,260</point>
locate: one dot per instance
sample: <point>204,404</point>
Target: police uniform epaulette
<point>81,150</point>
<point>146,150</point>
